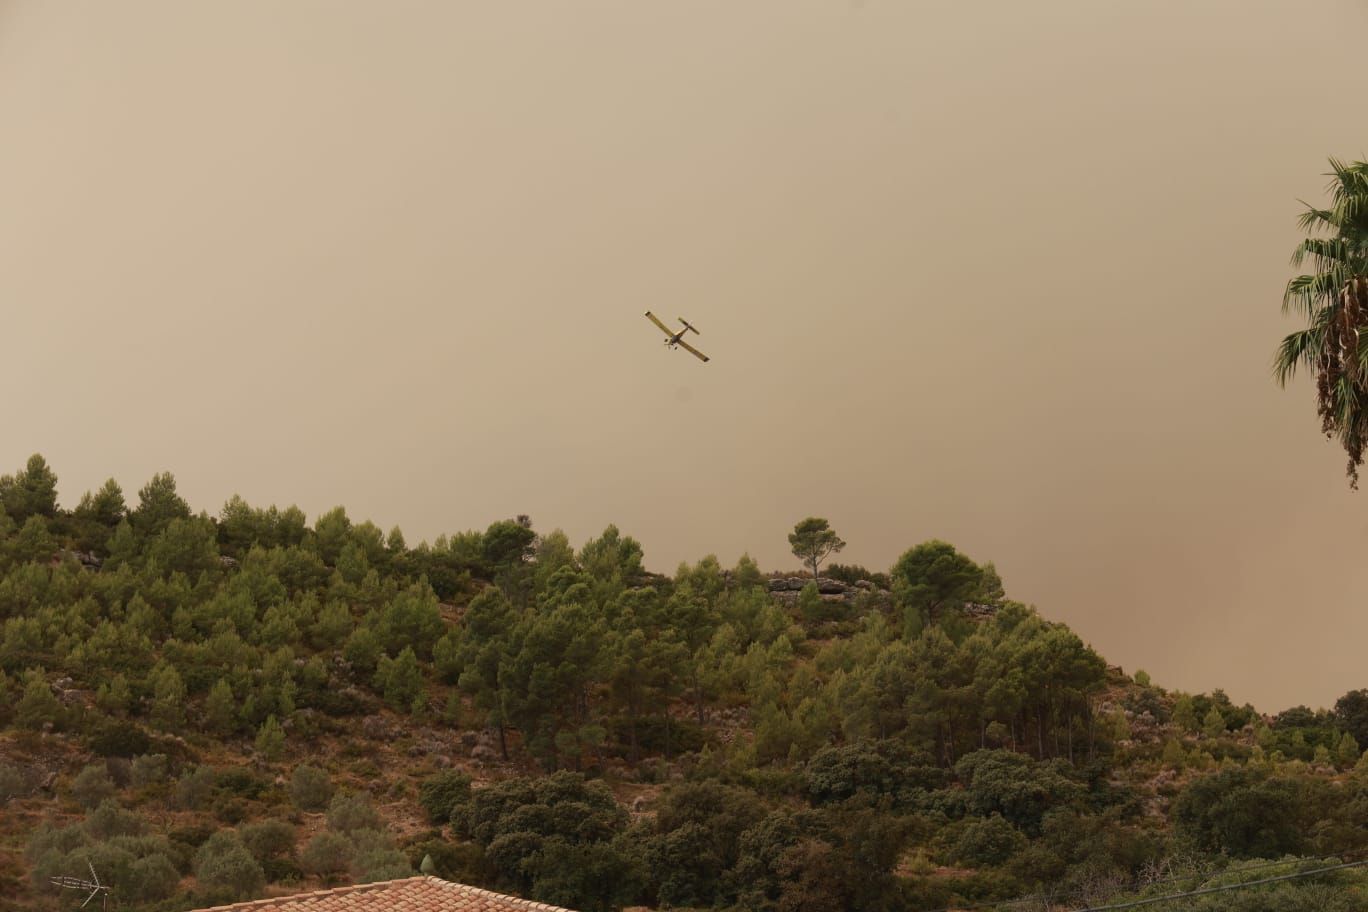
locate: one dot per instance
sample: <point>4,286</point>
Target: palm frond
<point>1313,219</point>
<point>1307,294</point>
<point>1361,356</point>
<point>1346,404</point>
<point>1297,348</point>
<point>1326,254</point>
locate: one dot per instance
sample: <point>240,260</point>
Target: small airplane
<point>677,338</point>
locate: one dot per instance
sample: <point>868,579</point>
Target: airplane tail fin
<point>688,325</point>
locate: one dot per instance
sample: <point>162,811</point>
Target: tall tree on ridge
<point>813,541</point>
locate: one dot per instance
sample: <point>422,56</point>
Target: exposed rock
<point>787,584</point>
<point>975,610</point>
<point>483,753</point>
<point>86,559</point>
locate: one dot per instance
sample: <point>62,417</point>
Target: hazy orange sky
<point>1002,273</point>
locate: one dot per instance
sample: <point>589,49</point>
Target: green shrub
<point>268,839</point>
<point>223,863</point>
<point>438,794</point>
<point>240,780</point>
<point>310,788</point>
<point>195,788</point>
<point>988,841</point>
<point>110,820</point>
<point>120,738</point>
<point>230,809</point>
<point>328,856</point>
<point>375,857</point>
<point>151,878</point>
<point>352,811</point>
<point>192,836</point>
<point>150,769</point>
<point>14,782</point>
<point>91,786</point>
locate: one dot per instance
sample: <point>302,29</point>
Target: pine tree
<point>221,709</point>
<point>270,740</point>
<point>1213,724</point>
<point>168,698</point>
<point>1120,727</point>
<point>1347,750</point>
<point>38,705</point>
<point>1184,715</point>
<point>122,546</point>
<point>114,697</point>
<point>400,679</point>
<point>813,541</point>
<point>105,507</point>
<point>158,504</point>
<point>31,492</point>
<point>33,543</point>
<point>1174,755</point>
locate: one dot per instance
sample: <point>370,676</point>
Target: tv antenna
<point>93,885</point>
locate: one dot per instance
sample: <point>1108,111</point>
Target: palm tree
<point>1334,301</point>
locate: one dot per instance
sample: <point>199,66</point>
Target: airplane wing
<point>695,352</point>
<point>663,328</point>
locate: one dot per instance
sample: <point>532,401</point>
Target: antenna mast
<point>93,885</point>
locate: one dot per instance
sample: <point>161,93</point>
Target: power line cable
<point>1137,885</point>
<point>1239,886</point>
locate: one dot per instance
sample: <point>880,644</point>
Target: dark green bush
<point>241,781</point>
<point>120,738</point>
<point>438,794</point>
<point>267,839</point>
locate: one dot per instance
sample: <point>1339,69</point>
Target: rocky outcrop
<point>786,590</point>
<point>87,559</point>
<point>796,584</point>
<point>979,612</point>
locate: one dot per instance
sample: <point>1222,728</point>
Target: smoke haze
<point>998,273</point>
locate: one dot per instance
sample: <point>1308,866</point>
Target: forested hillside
<point>214,707</point>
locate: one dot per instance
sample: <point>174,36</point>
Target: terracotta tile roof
<point>411,894</point>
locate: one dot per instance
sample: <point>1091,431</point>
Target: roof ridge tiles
<point>403,888</point>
